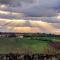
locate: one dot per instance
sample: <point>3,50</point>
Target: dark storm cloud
<point>50,20</point>
<point>38,8</point>
<point>34,8</point>
<point>5,1</point>
<point>43,8</point>
<point>40,12</point>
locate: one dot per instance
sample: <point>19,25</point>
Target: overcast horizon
<point>30,16</point>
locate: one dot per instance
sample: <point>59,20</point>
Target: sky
<point>34,16</point>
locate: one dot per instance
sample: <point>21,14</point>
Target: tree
<point>12,35</point>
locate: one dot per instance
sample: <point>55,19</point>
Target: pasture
<point>26,45</point>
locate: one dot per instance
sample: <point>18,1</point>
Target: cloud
<point>5,1</point>
<point>34,15</point>
<point>56,25</point>
<point>28,26</point>
<point>42,8</point>
<point>35,8</point>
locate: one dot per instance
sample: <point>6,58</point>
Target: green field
<point>25,45</point>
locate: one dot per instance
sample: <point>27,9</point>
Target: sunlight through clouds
<point>3,6</point>
<point>20,26</point>
<point>58,16</point>
<point>4,12</point>
<point>30,16</point>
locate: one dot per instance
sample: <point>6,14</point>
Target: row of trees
<point>30,34</point>
<point>40,35</point>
